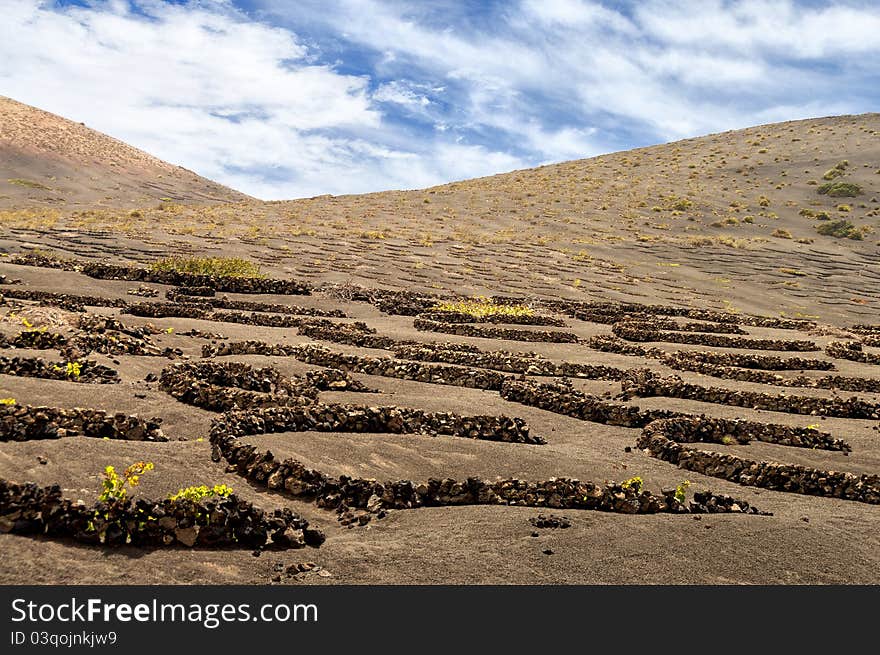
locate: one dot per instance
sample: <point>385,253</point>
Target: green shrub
<point>219,266</point>
<point>842,229</point>
<point>840,189</point>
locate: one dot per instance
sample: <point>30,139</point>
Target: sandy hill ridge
<point>49,160</point>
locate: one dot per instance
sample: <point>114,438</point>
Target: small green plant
<point>781,233</point>
<point>218,266</point>
<point>681,491</point>
<point>635,484</point>
<point>200,493</point>
<point>115,487</point>
<point>7,401</point>
<point>840,190</point>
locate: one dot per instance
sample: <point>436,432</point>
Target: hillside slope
<point>733,221</point>
<point>49,160</point>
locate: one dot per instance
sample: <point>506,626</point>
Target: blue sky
<point>296,99</point>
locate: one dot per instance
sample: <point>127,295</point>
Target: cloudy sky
<point>286,99</point>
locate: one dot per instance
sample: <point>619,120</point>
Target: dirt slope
<point>729,221</point>
<point>47,160</point>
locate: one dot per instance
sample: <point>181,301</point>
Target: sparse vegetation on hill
<point>842,229</point>
<point>840,189</point>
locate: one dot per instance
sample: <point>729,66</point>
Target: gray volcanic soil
<point>807,540</point>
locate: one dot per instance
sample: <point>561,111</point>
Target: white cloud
<point>445,95</point>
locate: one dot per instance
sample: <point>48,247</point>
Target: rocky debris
<point>645,331</point>
<point>614,312</point>
<point>204,292</point>
<point>43,261</point>
<point>659,439</point>
<point>346,493</point>
<point>37,367</point>
<point>705,502</point>
<point>647,383</point>
<point>357,333</point>
<point>443,316</point>
<point>866,329</point>
<point>746,360</point>
<point>709,429</point>
<point>28,509</point>
<point>205,312</point>
<point>562,399</point>
<point>34,340</point>
<point>250,347</point>
<point>26,422</point>
<point>472,378</point>
<point>399,303</point>
<point>851,350</point>
<point>653,323</point>
<point>186,294</point>
<point>524,363</point>
<point>222,386</point>
<point>201,334</point>
<point>7,280</point>
<point>550,521</point>
<point>143,291</point>
<point>466,330</point>
<point>339,417</point>
<point>109,336</point>
<point>684,361</point>
<point>218,283</point>
<point>69,301</point>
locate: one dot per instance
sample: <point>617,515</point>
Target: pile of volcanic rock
<point>461,376</point>
<point>28,509</point>
<point>143,291</point>
<point>37,367</point>
<point>486,332</point>
<point>644,331</point>
<point>523,363</point>
<point>205,296</point>
<point>444,316</point>
<point>647,383</point>
<point>26,422</point>
<point>561,398</point>
<point>339,417</point>
<point>659,439</point>
<point>613,312</point>
<point>206,312</point>
<point>344,493</point>
<point>221,386</point>
<point>710,429</point>
<point>109,336</point>
<point>851,350</point>
<point>69,301</point>
<point>357,334</point>
<point>684,361</point>
<point>227,284</point>
<point>34,340</point>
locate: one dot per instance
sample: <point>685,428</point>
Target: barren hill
<point>46,160</point>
